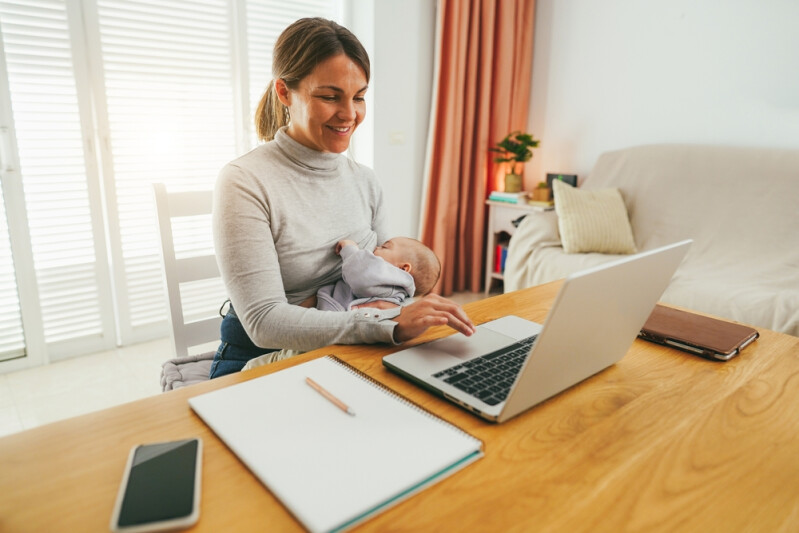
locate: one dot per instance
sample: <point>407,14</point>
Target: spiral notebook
<point>332,469</point>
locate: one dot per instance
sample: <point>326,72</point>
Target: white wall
<point>400,38</point>
<point>606,75</point>
<point>618,73</point>
<point>404,44</point>
<point>359,17</point>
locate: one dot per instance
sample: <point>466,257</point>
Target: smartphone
<point>160,489</point>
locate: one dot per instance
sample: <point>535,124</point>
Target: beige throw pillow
<point>592,220</point>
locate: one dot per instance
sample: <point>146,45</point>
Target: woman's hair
<point>303,45</point>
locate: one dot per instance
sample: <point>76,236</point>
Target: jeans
<point>235,349</point>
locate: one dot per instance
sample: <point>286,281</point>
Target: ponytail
<point>270,115</point>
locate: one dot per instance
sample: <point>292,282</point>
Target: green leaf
<point>516,146</point>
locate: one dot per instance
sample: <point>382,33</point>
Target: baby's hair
<point>426,267</point>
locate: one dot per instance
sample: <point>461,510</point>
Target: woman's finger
<point>432,310</point>
<point>456,316</point>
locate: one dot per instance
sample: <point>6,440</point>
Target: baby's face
<point>394,251</point>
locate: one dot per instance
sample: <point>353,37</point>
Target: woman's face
<point>327,105</point>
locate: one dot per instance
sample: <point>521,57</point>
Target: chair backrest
<point>193,307</point>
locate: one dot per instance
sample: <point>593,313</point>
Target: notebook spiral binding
<point>410,403</point>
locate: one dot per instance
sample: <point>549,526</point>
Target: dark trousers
<point>235,349</point>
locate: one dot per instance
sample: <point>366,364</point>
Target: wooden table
<point>661,441</point>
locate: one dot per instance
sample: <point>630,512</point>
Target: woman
<point>280,209</point>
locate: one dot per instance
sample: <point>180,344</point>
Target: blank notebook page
<point>329,468</point>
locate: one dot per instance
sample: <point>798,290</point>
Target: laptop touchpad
<point>482,342</point>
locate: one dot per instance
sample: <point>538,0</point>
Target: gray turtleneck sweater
<point>278,213</point>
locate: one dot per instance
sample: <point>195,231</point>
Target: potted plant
<point>542,193</point>
<point>516,148</point>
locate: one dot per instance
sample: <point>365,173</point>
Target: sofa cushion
<point>184,371</point>
<point>592,220</point>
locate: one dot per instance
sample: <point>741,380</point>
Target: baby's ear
<point>406,267</point>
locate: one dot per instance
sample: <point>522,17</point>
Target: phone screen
<point>162,484</point>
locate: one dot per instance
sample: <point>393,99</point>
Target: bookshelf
<point>500,229</point>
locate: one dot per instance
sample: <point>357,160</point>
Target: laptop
<point>511,364</point>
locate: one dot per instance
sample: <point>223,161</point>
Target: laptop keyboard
<point>489,377</point>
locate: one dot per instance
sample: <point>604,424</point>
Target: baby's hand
<point>377,304</point>
<point>344,242</point>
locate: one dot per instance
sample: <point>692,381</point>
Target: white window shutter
<point>64,225</point>
<point>168,87</point>
<point>12,340</point>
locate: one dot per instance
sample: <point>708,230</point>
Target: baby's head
<point>413,257</point>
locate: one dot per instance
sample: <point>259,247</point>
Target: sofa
<point>740,206</point>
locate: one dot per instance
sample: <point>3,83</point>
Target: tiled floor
<point>36,396</point>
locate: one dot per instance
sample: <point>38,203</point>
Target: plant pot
<point>541,194</point>
<point>513,183</point>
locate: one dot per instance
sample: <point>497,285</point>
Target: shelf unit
<point>500,229</point>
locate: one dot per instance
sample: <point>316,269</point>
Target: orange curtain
<point>483,90</point>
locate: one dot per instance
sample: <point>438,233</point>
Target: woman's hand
<point>432,310</point>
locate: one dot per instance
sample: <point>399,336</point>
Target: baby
<point>399,269</point>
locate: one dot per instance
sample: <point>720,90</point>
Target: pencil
<point>335,401</point>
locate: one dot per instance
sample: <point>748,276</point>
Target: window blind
<point>12,341</point>
<point>47,120</point>
<point>169,91</point>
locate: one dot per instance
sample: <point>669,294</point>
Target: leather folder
<point>700,335</point>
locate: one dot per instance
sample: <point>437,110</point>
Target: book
<point>508,197</point>
<point>500,255</point>
<point>332,469</point>
<point>546,205</point>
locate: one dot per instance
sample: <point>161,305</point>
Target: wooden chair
<point>192,266</point>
